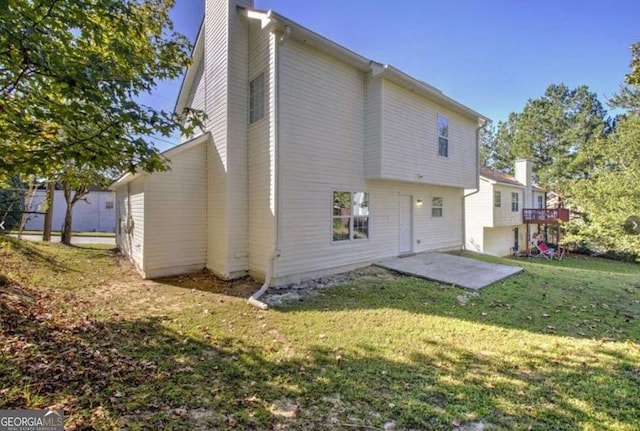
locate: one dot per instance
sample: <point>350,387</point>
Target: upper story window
<point>443,136</point>
<point>350,216</point>
<point>515,202</point>
<point>108,204</point>
<point>497,199</point>
<point>540,202</point>
<point>256,99</point>
<point>436,207</point>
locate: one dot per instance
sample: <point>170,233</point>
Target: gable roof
<point>498,177</point>
<point>494,176</point>
<point>272,21</point>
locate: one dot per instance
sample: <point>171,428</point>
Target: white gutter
<point>271,265</point>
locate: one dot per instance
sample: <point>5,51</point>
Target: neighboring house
<point>94,213</point>
<point>314,160</point>
<point>494,214</point>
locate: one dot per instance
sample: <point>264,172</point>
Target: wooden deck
<point>545,215</point>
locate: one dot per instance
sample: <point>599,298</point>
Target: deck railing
<point>544,215</point>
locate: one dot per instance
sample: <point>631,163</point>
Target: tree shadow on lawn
<point>550,300</point>
<point>142,374</point>
<point>30,252</point>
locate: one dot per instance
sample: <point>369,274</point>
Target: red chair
<point>547,252</point>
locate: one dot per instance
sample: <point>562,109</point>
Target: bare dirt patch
<point>296,291</point>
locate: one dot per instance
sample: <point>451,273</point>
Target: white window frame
<point>515,202</point>
<point>540,201</point>
<point>437,206</point>
<point>257,98</point>
<point>443,135</point>
<point>497,198</point>
<point>355,212</point>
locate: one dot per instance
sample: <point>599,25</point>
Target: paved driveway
<point>451,269</point>
<point>76,240</point>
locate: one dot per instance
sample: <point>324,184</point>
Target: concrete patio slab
<point>451,269</point>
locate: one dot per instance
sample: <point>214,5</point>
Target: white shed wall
<point>89,215</point>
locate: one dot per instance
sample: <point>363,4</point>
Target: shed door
<point>405,227</point>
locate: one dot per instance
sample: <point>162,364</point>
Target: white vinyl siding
<point>237,146</point>
<point>499,241</point>
<point>489,228</point>
<point>256,99</point>
<point>504,216</point>
<point>175,207</point>
<point>407,148</point>
<point>197,97</point>
<point>373,127</point>
<point>130,200</point>
<point>321,151</point>
<point>311,139</point>
<point>226,73</point>
<point>261,162</point>
<point>216,28</point>
<point>436,206</point>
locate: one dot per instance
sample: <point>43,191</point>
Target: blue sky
<point>491,55</point>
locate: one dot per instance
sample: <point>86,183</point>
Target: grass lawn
<point>555,348</point>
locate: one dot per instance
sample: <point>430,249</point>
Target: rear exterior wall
<point>322,150</point>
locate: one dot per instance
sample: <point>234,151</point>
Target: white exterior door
<point>405,227</point>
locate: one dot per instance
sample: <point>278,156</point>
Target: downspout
<point>271,265</point>
<point>464,209</point>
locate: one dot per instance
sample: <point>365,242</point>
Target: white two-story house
<point>494,211</point>
<point>314,160</point>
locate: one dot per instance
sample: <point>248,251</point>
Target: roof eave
<point>187,81</point>
<point>412,84</point>
<point>278,23</point>
<point>173,151</point>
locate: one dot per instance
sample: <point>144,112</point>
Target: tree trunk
<point>68,216</point>
<point>48,216</point>
<point>28,202</point>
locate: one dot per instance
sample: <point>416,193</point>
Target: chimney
<point>523,176</point>
<point>523,172</point>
